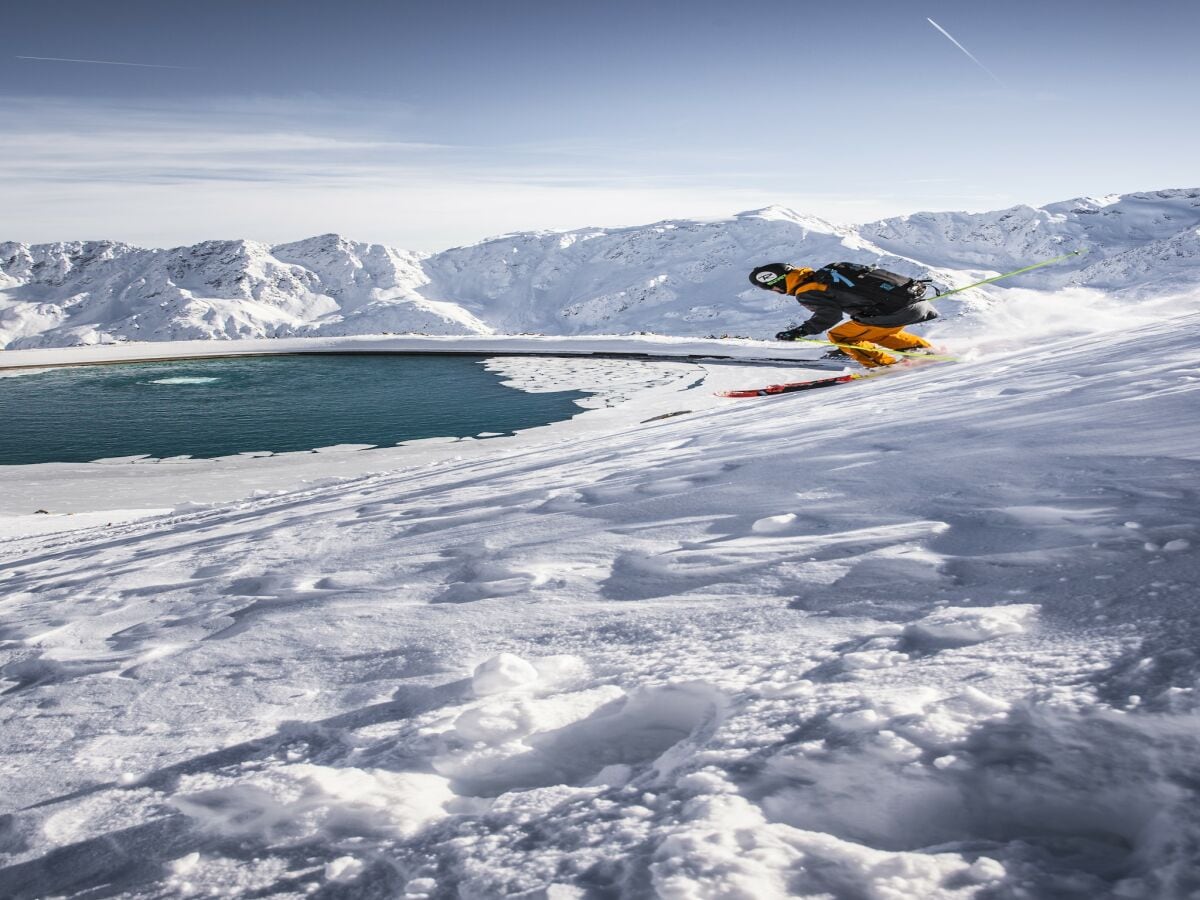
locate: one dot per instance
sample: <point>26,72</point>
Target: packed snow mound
<point>683,277</point>
<point>953,626</point>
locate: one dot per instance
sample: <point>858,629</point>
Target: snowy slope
<point>932,635</point>
<point>678,277</point>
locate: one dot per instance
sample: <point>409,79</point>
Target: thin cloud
<point>355,118</point>
<point>55,141</point>
<point>101,62</point>
<point>970,55</point>
<point>93,143</point>
<point>278,168</point>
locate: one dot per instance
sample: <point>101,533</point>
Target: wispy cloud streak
<point>278,168</point>
<point>101,62</point>
<point>970,55</point>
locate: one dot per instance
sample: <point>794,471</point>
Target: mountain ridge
<point>676,276</point>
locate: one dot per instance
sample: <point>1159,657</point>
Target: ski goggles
<point>769,282</point>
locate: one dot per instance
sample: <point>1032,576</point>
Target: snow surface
<point>930,635</point>
<point>680,277</point>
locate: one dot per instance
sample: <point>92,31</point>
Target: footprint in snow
<point>270,585</point>
<point>214,570</point>
<point>350,579</point>
<point>559,501</point>
<point>516,740</point>
<point>38,671</point>
<point>481,575</point>
<point>442,522</point>
<point>959,626</point>
<point>273,593</point>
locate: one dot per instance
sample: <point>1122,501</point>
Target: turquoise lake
<point>219,407</point>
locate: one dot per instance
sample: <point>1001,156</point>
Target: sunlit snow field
<point>932,635</point>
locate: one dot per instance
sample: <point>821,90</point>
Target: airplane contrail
<point>101,62</point>
<point>966,51</point>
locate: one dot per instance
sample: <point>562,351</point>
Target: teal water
<point>274,403</point>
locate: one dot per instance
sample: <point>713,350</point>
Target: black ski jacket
<point>830,307</point>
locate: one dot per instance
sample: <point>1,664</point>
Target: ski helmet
<point>769,275</point>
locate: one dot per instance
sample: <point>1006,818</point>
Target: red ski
<point>790,386</point>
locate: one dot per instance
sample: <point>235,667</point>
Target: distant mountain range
<point>685,277</point>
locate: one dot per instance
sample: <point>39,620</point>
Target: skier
<point>879,303</point>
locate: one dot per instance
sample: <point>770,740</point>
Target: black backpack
<point>878,291</point>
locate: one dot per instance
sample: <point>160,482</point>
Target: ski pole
<point>1044,262</point>
<point>888,349</point>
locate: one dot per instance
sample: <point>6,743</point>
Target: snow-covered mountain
<point>678,277</point>
<point>682,277</point>
<point>1139,242</point>
<point>54,295</point>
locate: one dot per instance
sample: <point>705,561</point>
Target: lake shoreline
<point>601,346</point>
<point>624,394</point>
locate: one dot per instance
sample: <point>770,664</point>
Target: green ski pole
<point>1044,262</point>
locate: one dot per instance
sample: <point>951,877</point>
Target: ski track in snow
<point>928,636</point>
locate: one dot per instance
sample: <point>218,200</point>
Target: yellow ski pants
<point>861,338</point>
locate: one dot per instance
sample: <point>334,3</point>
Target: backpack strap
<point>842,274</point>
<point>805,280</point>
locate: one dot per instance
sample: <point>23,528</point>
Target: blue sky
<point>428,125</point>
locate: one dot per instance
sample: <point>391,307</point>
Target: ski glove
<point>792,334</point>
